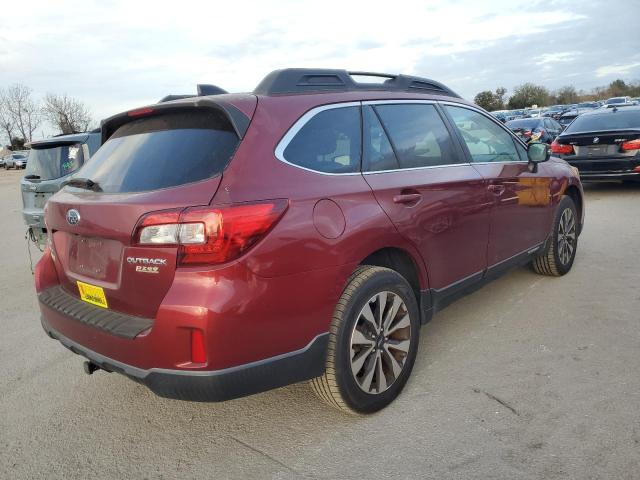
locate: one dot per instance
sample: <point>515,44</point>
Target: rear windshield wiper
<point>85,183</point>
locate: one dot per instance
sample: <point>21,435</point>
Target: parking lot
<point>531,377</point>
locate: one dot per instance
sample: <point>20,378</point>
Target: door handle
<point>407,198</point>
<point>496,189</point>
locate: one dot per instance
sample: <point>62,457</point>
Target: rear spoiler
<point>238,120</point>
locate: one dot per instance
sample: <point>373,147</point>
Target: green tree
<point>618,88</point>
<point>486,100</point>
<point>500,93</point>
<point>491,101</point>
<point>528,94</point>
<point>566,95</point>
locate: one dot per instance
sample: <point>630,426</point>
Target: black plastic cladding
<point>307,80</point>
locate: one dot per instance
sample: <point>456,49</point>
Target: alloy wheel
<point>566,236</point>
<point>380,342</point>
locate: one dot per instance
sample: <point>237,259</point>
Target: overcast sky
<point>115,55</point>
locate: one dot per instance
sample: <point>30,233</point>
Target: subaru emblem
<point>73,216</point>
<point>596,139</point>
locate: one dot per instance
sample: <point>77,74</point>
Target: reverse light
<point>557,147</point>
<point>206,235</point>
<point>631,145</point>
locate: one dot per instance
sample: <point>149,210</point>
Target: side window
<point>486,141</point>
<point>418,135</point>
<point>329,142</point>
<point>377,152</point>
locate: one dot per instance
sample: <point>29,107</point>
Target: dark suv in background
<point>222,245</point>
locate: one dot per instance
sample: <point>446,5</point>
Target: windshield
<point>614,100</point>
<point>524,123</point>
<point>56,162</point>
<point>620,120</point>
<point>163,151</point>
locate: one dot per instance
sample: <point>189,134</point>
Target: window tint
<point>329,142</point>
<point>163,151</point>
<point>378,154</point>
<point>486,141</point>
<point>418,135</point>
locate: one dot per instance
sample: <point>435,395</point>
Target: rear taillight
<point>631,145</point>
<point>207,235</point>
<point>557,147</point>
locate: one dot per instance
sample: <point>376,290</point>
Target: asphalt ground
<point>528,378</point>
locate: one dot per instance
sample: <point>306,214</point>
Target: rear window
<point>55,162</point>
<point>619,120</point>
<point>163,151</point>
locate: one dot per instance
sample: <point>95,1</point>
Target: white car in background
<point>16,160</point>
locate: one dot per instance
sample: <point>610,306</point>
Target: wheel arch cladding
<point>400,261</point>
<point>574,193</point>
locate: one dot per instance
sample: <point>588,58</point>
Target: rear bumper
<point>259,333</point>
<point>606,168</point>
<point>215,385</point>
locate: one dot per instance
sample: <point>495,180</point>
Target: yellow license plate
<point>92,294</point>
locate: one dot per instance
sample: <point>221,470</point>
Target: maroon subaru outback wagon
<point>220,245</point>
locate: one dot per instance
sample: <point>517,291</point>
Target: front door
<point>434,198</point>
<point>521,201</point>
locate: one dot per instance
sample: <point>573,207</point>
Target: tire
<point>556,259</point>
<point>378,379</point>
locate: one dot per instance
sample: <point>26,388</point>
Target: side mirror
<point>537,153</point>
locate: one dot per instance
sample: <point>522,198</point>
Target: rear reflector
<point>198,349</point>
<point>631,145</point>
<point>209,236</point>
<point>561,148</point>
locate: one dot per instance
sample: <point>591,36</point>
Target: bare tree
<point>70,115</point>
<point>23,110</point>
<point>6,119</point>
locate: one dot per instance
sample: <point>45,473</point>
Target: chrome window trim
<point>398,101</point>
<point>304,119</point>
<point>428,167</point>
<point>297,126</point>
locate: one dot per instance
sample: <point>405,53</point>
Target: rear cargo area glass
<point>55,162</point>
<point>606,121</point>
<point>163,151</point>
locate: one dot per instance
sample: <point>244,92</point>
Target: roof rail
<point>307,80</point>
<point>203,90</point>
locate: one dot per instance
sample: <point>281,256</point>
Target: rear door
<point>165,161</point>
<point>521,201</point>
<point>423,183</point>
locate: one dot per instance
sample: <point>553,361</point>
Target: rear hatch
<point>166,157</point>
